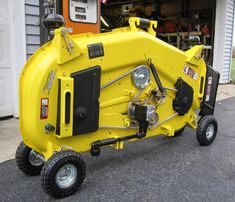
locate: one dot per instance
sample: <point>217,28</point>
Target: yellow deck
<point>124,49</point>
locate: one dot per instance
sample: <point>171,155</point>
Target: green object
<point>233,70</point>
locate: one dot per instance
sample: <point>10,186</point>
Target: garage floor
<point>156,169</point>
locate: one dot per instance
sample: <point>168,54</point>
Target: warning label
<point>44,108</point>
<point>190,72</point>
<point>208,90</point>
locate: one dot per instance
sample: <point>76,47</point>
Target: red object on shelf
<point>205,30</point>
<point>190,28</point>
<point>170,27</point>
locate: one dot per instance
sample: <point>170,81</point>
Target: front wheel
<point>27,160</point>
<point>206,130</point>
<point>63,174</point>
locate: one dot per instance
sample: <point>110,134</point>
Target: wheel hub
<point>34,158</point>
<point>66,176</point>
<point>210,131</point>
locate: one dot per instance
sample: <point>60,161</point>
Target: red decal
<point>44,108</point>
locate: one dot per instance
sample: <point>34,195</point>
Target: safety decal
<point>49,82</point>
<point>44,108</point>
<point>208,90</point>
<point>190,72</point>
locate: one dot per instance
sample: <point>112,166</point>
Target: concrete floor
<point>225,91</point>
<point>10,135</point>
<point>9,138</point>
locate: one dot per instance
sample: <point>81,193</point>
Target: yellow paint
<point>67,86</point>
<point>124,49</point>
<point>62,42</point>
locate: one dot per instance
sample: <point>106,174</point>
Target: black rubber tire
<point>52,166</point>
<point>23,163</point>
<point>203,124</point>
<point>179,132</point>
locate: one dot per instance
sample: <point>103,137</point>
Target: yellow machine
<point>84,92</point>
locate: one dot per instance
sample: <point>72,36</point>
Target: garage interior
<point>177,20</point>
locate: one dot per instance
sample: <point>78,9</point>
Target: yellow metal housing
<point>124,50</point>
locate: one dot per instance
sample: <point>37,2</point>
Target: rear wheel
<point>206,130</point>
<point>63,174</point>
<point>28,161</point>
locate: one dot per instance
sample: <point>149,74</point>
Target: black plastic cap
<point>53,21</point>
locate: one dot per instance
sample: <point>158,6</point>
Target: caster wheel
<point>27,160</point>
<point>63,174</point>
<point>206,130</point>
<point>179,132</point>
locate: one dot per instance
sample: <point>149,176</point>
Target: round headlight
<point>141,77</point>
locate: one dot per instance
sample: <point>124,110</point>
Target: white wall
<point>32,21</point>
<point>223,39</point>
<point>234,31</point>
<point>17,32</point>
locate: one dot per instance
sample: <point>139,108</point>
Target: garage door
<point>6,104</point>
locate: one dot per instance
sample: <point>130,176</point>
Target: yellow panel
<point>124,49</point>
<point>66,129</point>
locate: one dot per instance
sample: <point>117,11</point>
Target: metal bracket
<point>136,23</point>
<point>65,47</point>
<point>66,107</point>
